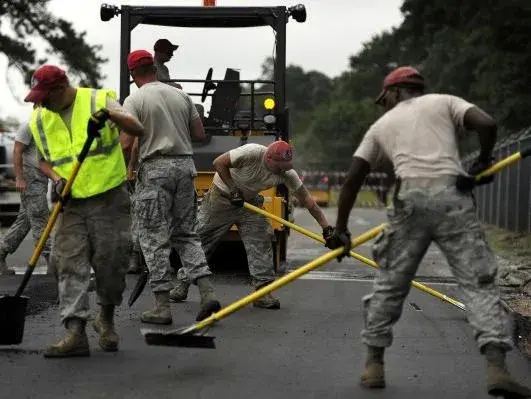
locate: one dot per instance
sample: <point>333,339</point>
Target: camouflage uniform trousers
<point>92,233</point>
<point>33,214</point>
<point>447,217</point>
<point>134,227</point>
<point>165,208</point>
<point>216,217</point>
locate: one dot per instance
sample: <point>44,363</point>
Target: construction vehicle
<point>9,196</point>
<point>257,114</point>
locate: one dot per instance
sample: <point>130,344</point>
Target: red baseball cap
<point>281,153</point>
<point>138,58</point>
<point>44,79</point>
<point>401,75</point>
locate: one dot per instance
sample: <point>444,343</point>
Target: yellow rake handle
<point>281,281</point>
<point>53,217</point>
<point>353,254</point>
<point>504,163</point>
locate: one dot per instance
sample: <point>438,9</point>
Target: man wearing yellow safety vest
<point>93,231</point>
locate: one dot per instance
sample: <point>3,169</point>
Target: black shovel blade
<point>174,338</point>
<point>12,318</point>
<point>139,287</point>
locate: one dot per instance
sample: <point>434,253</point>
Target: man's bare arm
<point>359,169</point>
<point>305,199</point>
<point>477,119</point>
<point>18,149</point>
<point>126,122</point>
<point>47,169</point>
<point>18,166</point>
<point>197,130</point>
<point>127,142</point>
<point>133,159</point>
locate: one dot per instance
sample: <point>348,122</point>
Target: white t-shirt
<point>419,136</point>
<point>250,174</point>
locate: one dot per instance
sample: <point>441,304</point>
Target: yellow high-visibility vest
<point>104,167</point>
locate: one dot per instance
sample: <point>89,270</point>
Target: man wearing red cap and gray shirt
<point>163,53</point>
<point>433,201</point>
<point>240,176</point>
<point>93,231</point>
<point>164,202</point>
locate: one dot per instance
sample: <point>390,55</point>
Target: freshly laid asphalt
<point>310,348</point>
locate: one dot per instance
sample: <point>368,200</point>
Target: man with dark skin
<point>433,202</point>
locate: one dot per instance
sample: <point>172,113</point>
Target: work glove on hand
<point>57,188</point>
<point>97,122</point>
<point>236,198</point>
<point>339,238</point>
<point>258,200</point>
<point>479,166</point>
<point>328,231</point>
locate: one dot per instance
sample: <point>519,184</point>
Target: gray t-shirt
<point>29,156</point>
<point>167,114</point>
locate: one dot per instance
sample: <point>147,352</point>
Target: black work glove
<point>258,200</point>
<point>236,198</point>
<point>479,166</point>
<point>97,122</point>
<point>468,182</point>
<point>57,188</point>
<point>339,238</point>
<point>328,231</point>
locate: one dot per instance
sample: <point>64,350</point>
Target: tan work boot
<point>75,343</point>
<point>499,381</point>
<point>373,376</point>
<point>209,303</point>
<point>104,326</point>
<point>4,270</point>
<point>161,314</point>
<point>268,301</point>
<point>180,291</point>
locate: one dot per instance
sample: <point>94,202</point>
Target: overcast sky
<point>334,30</point>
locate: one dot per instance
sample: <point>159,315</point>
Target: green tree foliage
<point>22,21</point>
<point>479,50</point>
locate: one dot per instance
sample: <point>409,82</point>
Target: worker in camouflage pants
<point>241,174</point>
<point>135,262</point>
<point>164,202</point>
<point>433,202</point>
<point>33,211</point>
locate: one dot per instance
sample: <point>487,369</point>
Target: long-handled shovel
<point>193,336</point>
<point>353,254</point>
<point>13,308</point>
<point>508,161</point>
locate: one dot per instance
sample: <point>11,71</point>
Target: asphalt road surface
<point>310,348</point>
